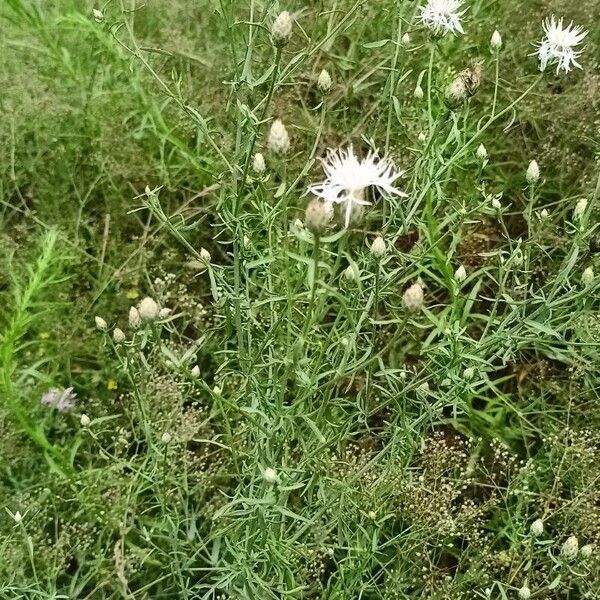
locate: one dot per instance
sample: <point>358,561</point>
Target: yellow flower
<point>111,384</point>
<point>132,294</point>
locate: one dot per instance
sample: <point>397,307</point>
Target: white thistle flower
<point>496,41</point>
<point>533,172</point>
<point>148,309</point>
<point>101,324</point>
<point>118,336</point>
<point>537,528</point>
<point>282,28</point>
<point>324,82</point>
<point>442,16</point>
<point>279,139</point>
<point>558,45</point>
<point>378,247</point>
<point>348,178</point>
<point>259,165</point>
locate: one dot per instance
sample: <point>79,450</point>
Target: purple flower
<point>61,400</point>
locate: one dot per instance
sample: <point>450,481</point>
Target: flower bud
<point>324,82</point>
<point>378,247</point>
<point>166,437</point>
<point>460,274</point>
<point>163,313</point>
<point>85,420</point>
<point>278,141</point>
<point>405,39</point>
<point>101,324</point>
<point>134,318</point>
<point>318,215</point>
<point>496,41</point>
<point>17,518</point>
<point>118,336</point>
<point>418,93</point>
<point>496,204</point>
<point>587,277</point>
<point>350,273</point>
<point>259,165</point>
<point>282,29</point>
<point>195,372</point>
<point>148,309</point>
<point>413,297</point>
<point>481,153</point>
<point>570,548</point>
<point>205,256</point>
<point>587,550</point>
<point>469,373</point>
<point>537,528</point>
<point>580,208</point>
<point>270,475</point>
<point>544,214</point>
<point>422,138</point>
<point>98,15</point>
<point>533,172</point>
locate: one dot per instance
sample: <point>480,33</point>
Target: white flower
<point>347,179</point>
<point>442,16</point>
<point>558,46</point>
<point>101,324</point>
<point>279,139</point>
<point>481,152</point>
<point>324,82</point>
<point>537,528</point>
<point>378,247</point>
<point>533,172</point>
<point>270,475</point>
<point>259,165</point>
<point>570,548</point>
<point>148,309</point>
<point>460,274</point>
<point>118,336</point>
<point>496,41</point>
<point>587,277</point>
<point>134,318</point>
<point>282,28</point>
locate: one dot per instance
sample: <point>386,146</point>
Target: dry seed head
<point>378,247</point>
<point>324,82</point>
<point>318,215</point>
<point>118,336</point>
<point>259,165</point>
<point>496,41</point>
<point>587,277</point>
<point>279,139</point>
<point>570,548</point>
<point>413,297</point>
<point>148,309</point>
<point>85,420</point>
<point>282,29</point>
<point>101,324</point>
<point>134,318</point>
<point>533,172</point>
<point>456,92</point>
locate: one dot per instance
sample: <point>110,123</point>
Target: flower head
<point>278,141</point>
<point>148,309</point>
<point>558,45</point>
<point>442,16</point>
<point>62,400</point>
<point>570,548</point>
<point>348,177</point>
<point>281,30</point>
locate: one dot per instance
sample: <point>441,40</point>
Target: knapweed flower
<point>281,29</point>
<point>558,45</point>
<point>533,172</point>
<point>278,141</point>
<point>442,16</point>
<point>587,277</point>
<point>460,274</point>
<point>496,41</point>
<point>258,164</point>
<point>570,548</point>
<point>378,247</point>
<point>413,297</point>
<point>348,178</point>
<point>481,152</point>
<point>318,215</point>
<point>118,336</point>
<point>324,82</point>
<point>101,324</point>
<point>537,528</point>
<point>148,309</point>
<point>134,318</point>
<point>62,400</point>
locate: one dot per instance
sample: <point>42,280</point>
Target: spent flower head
<point>558,47</point>
<point>318,215</point>
<point>347,178</point>
<point>442,16</point>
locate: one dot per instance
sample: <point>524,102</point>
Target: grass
<point>295,425</point>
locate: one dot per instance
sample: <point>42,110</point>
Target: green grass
<point>290,429</point>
